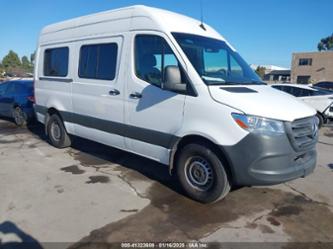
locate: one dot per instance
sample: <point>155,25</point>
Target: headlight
<point>259,125</point>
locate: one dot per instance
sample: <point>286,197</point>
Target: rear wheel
<point>19,116</point>
<point>57,133</point>
<point>202,173</point>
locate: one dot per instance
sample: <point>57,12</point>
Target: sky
<point>263,31</point>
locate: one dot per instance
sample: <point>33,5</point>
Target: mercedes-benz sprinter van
<point>169,88</point>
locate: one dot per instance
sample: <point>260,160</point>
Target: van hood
<point>261,100</point>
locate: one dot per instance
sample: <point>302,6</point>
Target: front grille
<point>303,133</point>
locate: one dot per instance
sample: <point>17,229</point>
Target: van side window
<point>98,61</point>
<point>152,56</point>
<point>56,62</point>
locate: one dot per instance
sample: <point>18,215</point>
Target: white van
<point>166,87</point>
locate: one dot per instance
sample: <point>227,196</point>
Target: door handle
<point>136,95</point>
<point>114,92</point>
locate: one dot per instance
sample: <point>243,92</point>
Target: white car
<point>319,98</point>
<point>169,88</point>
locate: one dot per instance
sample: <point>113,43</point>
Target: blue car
<point>16,100</point>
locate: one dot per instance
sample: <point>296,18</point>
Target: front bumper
<point>268,160</point>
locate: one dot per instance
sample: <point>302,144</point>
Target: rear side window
<point>56,62</point>
<point>98,61</point>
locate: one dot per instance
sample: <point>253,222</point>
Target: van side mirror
<point>173,79</point>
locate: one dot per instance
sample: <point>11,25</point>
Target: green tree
<point>26,64</point>
<point>32,57</point>
<point>2,69</point>
<point>261,71</point>
<point>11,60</point>
<point>326,43</point>
<point>12,64</point>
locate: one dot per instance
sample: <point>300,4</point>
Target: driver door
<point>153,115</point>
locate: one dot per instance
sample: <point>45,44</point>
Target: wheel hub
<point>199,173</point>
<point>55,131</point>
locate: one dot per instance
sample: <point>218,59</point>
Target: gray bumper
<point>266,160</point>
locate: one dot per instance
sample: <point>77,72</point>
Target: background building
<point>277,76</point>
<point>312,67</point>
<point>268,68</point>
<point>272,74</point>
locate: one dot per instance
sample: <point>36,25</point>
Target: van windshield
<point>215,61</point>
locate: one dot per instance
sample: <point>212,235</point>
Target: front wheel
<point>19,116</point>
<point>57,133</point>
<point>202,174</point>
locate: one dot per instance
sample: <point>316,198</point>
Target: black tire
<point>201,173</point>
<point>19,116</point>
<point>321,120</point>
<point>56,132</point>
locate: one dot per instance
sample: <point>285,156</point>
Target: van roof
<point>138,17</point>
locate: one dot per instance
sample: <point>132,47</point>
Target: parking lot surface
<point>92,193</point>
